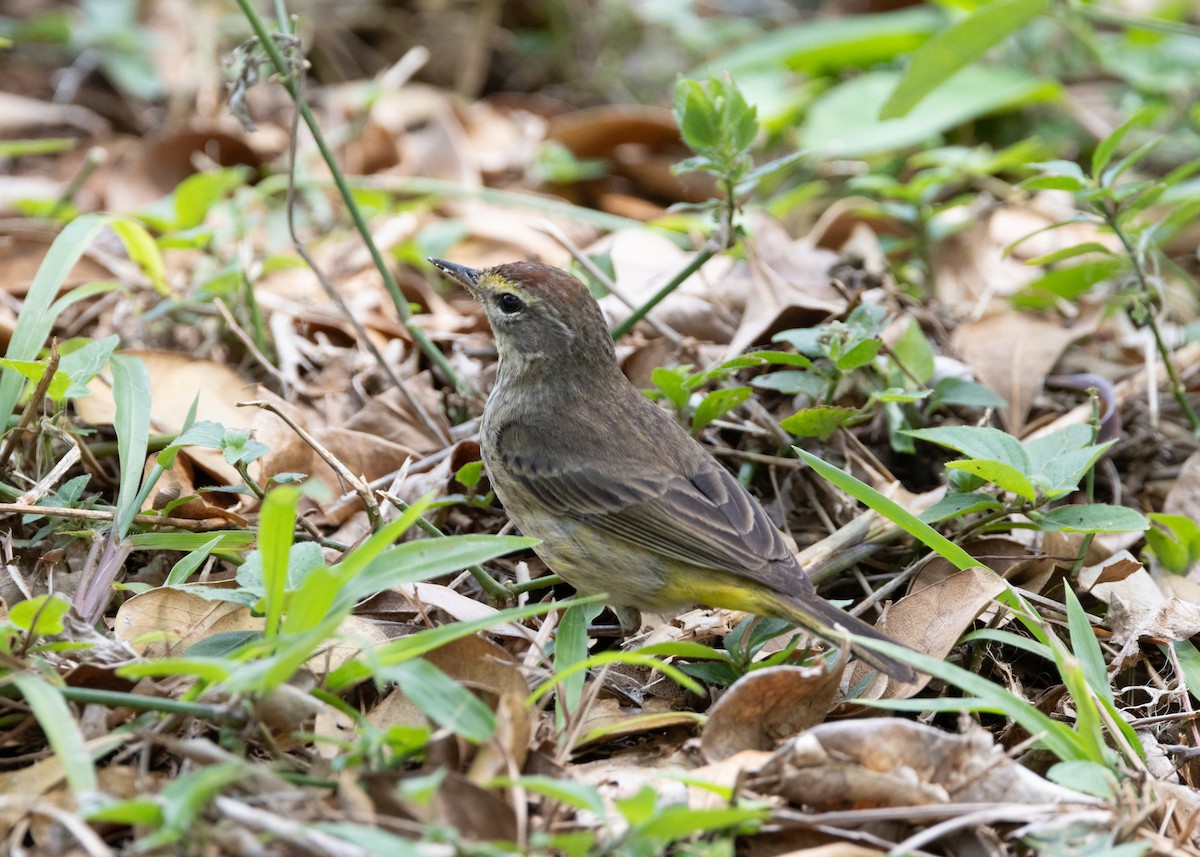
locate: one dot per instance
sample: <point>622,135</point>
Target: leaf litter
<point>791,746</point>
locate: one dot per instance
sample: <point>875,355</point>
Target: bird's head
<point>541,316</point>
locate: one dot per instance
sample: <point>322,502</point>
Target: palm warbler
<point>624,500</point>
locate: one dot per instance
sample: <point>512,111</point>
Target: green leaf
<point>679,821</point>
<point>819,422</point>
<point>131,394</point>
<point>953,48</point>
<point>61,730</point>
<point>792,382</point>
<point>571,647</point>
<point>967,394</point>
<point>841,123</point>
<point>1091,778</point>
<point>442,699</point>
<point>718,403</point>
<point>982,442</point>
<point>914,351</point>
<point>696,116</point>
<point>832,43</point>
<point>41,615</point>
<point>954,505</point>
<point>1174,540</point>
<point>1108,146</point>
<point>183,569</point>
<point>276,530</point>
<point>891,510</point>
<point>36,317</point>
<point>1086,648</point>
<point>1093,518</point>
<point>85,362</point>
<point>670,382</point>
<point>139,245</point>
<point>1070,253</point>
<point>998,473</point>
<point>858,355</point>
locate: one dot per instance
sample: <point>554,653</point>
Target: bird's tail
<point>832,623</point>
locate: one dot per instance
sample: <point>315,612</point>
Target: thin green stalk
<point>1177,388</point>
<point>638,314</point>
<point>360,224</point>
<point>116,699</point>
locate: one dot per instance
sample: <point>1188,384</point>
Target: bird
<point>624,500</point>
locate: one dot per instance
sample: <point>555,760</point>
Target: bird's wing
<point>705,518</point>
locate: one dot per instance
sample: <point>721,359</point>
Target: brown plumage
<point>624,500</point>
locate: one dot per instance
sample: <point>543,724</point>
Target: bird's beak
<point>469,277</point>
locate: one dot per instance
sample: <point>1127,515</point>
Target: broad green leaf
<point>963,42</point>
<point>982,442</point>
<point>819,422</point>
<point>442,699</point>
<point>40,615</point>
<point>718,403</point>
<point>85,362</point>
<point>1092,518</point>
<point>998,473</point>
<point>913,350</point>
<point>832,43</point>
<point>968,394</point>
<point>858,355</point>
<point>792,382</point>
<point>839,124</point>
<point>957,505</point>
<point>1090,778</point>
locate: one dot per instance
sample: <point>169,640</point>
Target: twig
<point>359,486</point>
<point>250,345</point>
<point>194,525</point>
<point>32,405</point>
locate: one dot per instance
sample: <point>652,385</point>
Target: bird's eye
<point>509,303</point>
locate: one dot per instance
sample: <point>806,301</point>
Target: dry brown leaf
<point>1184,496</point>
<point>161,160</point>
<point>1012,352</point>
<point>703,306</point>
<point>1137,608</point>
<point>176,380</point>
<point>932,619</point>
<point>892,762</point>
<point>790,286</point>
<point>168,620</point>
<point>606,720</point>
<point>767,705</point>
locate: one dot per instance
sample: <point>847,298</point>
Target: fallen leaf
<point>766,706</point>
